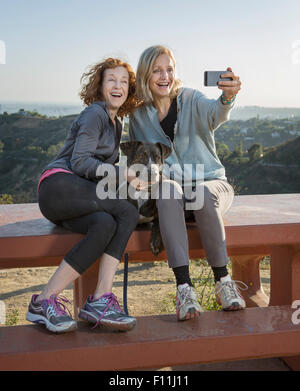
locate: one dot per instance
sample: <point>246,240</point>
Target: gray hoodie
<point>197,119</point>
<point>91,141</point>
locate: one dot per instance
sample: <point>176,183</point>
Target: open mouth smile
<point>163,84</point>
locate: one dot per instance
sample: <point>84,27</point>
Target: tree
<point>236,155</point>
<point>222,150</point>
<point>239,149</point>
<point>53,150</point>
<point>6,199</point>
<point>255,152</point>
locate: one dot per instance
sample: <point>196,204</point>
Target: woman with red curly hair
<point>67,197</point>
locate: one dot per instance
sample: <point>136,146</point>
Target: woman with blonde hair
<point>67,197</point>
<point>185,120</point>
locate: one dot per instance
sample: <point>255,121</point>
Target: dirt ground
<point>151,288</point>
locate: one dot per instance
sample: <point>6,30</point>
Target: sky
<point>47,46</point>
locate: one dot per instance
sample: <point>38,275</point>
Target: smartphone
<point>211,78</point>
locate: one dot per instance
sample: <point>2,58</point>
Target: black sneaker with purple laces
<point>52,313</point>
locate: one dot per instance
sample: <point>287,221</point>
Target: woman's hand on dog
<point>134,181</point>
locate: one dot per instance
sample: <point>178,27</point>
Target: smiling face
<point>115,87</point>
<point>162,79</point>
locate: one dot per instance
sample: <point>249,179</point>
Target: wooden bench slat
<point>262,209</point>
<point>252,221</point>
<point>157,341</point>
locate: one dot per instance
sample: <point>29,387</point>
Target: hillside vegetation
<point>260,156</point>
<point>28,144</point>
<point>276,171</point>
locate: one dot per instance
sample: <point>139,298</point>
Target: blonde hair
<point>144,72</point>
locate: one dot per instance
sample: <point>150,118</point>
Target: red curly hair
<point>92,83</point>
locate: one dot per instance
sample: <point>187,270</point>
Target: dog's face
<point>150,155</point>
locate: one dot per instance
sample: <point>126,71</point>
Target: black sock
<point>182,275</point>
<point>219,272</point>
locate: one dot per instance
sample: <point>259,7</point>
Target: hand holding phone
<point>211,78</point>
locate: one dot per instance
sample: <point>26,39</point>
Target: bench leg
<point>285,285</point>
<point>246,268</point>
<point>284,281</point>
<point>285,275</point>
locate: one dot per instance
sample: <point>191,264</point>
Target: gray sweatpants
<point>218,197</point>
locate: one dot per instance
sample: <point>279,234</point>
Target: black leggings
<point>71,201</point>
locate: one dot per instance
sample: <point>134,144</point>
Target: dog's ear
<point>165,150</point>
<point>129,146</point>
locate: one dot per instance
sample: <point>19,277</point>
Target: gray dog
<point>152,157</point>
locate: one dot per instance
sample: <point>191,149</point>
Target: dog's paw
<point>156,243</point>
<point>155,250</point>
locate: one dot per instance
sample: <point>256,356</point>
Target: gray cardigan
<point>197,119</point>
<point>91,141</point>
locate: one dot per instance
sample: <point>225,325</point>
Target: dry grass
<point>151,288</point>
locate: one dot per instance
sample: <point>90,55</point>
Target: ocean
<point>49,109</point>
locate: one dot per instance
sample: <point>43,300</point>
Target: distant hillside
<point>278,171</point>
<point>28,144</point>
<point>255,130</point>
<point>246,112</point>
<point>28,141</point>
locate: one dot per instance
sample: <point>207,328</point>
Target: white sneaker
<point>186,302</point>
<point>228,295</point>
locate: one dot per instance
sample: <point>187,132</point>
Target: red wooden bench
<point>156,342</point>
<point>256,226</point>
